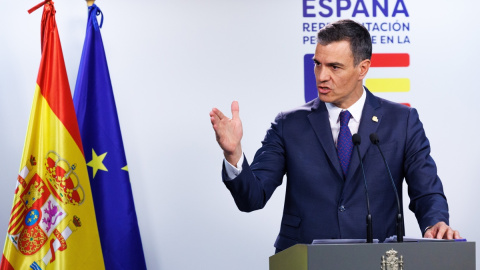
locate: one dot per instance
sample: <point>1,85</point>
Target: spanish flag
<point>52,223</point>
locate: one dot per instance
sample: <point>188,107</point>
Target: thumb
<point>235,110</point>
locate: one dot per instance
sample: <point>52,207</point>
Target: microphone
<point>374,139</point>
<point>356,139</point>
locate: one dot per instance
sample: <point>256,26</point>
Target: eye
<point>316,63</point>
<point>335,67</point>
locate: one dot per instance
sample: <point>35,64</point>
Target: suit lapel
<point>321,125</point>
<point>371,118</point>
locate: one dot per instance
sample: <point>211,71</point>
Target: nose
<point>321,73</point>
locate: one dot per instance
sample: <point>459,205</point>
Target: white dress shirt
<point>356,112</point>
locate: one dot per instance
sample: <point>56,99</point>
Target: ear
<point>363,68</point>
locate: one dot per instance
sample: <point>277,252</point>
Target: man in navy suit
<point>326,199</point>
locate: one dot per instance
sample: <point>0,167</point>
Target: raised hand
<point>229,133</point>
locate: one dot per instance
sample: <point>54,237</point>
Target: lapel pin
<point>375,119</point>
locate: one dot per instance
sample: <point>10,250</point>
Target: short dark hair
<point>351,31</point>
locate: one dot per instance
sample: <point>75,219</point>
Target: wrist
<point>234,157</point>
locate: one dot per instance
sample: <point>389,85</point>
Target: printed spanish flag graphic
<point>52,223</point>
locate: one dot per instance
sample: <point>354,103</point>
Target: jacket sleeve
<point>254,186</point>
<point>425,189</point>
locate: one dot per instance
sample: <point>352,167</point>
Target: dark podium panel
<point>423,255</point>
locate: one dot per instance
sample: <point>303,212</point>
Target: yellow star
<point>125,168</point>
<point>97,162</point>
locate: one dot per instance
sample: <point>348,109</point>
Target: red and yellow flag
<point>53,218</point>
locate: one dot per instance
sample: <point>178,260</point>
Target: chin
<point>325,98</point>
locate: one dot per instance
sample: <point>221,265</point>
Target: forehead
<point>338,51</point>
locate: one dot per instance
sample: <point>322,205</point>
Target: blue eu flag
<point>107,165</point>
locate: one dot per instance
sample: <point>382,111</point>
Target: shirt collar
<point>355,110</point>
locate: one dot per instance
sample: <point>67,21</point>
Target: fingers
<point>213,119</point>
<point>428,233</point>
<point>216,117</point>
<point>456,235</point>
<point>452,234</point>
<point>235,110</point>
<point>448,234</point>
<point>216,112</point>
<point>441,232</point>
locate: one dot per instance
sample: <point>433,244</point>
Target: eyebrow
<point>329,64</point>
<point>335,64</point>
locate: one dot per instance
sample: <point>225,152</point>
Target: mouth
<point>323,89</point>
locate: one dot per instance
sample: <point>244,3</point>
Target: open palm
<point>228,132</point>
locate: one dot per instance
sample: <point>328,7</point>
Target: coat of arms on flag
<point>37,211</point>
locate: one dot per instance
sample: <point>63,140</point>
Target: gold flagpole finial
<point>90,2</point>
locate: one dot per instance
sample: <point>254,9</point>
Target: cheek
<point>344,80</point>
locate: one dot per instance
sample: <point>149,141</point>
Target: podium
<point>411,255</point>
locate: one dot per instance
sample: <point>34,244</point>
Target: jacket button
<point>341,208</point>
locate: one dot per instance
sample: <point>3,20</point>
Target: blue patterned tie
<point>344,143</point>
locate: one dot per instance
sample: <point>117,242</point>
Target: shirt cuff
<point>232,171</point>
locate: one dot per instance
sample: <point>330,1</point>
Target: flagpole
<point>90,2</point>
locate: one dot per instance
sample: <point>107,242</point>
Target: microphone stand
<point>374,139</point>
<point>356,141</point>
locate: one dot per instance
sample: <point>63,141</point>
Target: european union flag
<point>107,165</point>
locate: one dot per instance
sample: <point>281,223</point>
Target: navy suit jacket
<point>319,202</point>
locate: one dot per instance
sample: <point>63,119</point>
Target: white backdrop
<point>172,61</point>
